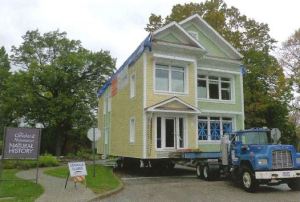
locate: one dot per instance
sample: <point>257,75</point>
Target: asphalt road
<point>182,185</point>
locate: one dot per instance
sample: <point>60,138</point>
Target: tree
<point>267,92</point>
<point>290,57</point>
<point>5,115</point>
<point>57,85</point>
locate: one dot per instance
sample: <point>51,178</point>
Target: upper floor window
<point>214,87</point>
<point>132,86</point>
<point>169,78</point>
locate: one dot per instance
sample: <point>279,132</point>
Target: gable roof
<point>181,30</point>
<point>213,32</point>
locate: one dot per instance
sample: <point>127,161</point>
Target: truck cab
<point>257,158</point>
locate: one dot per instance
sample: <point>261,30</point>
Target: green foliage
<point>57,85</point>
<point>290,57</point>
<point>46,160</point>
<point>104,181</point>
<point>18,190</point>
<point>6,115</point>
<point>266,90</point>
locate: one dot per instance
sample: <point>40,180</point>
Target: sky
<point>118,26</point>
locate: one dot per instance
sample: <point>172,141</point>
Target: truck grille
<point>281,159</point>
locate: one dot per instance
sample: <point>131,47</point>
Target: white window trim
<point>132,132</point>
<point>185,83</point>
<point>163,135</point>
<point>132,85</point>
<point>233,121</point>
<point>220,100</point>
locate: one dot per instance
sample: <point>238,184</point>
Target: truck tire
<point>210,172</point>
<point>248,180</point>
<point>294,184</point>
<point>199,171</point>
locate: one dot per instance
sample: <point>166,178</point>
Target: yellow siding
<point>154,98</point>
<point>123,108</point>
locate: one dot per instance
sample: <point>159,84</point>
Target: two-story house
<point>181,89</point>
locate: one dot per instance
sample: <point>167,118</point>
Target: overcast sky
<point>118,26</point>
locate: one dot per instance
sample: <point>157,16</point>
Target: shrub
<point>48,160</point>
<point>45,160</point>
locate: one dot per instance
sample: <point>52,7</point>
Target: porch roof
<point>173,105</point>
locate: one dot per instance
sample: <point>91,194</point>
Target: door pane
<point>170,132</point>
<point>158,133</point>
<point>181,133</point>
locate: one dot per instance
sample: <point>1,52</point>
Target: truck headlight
<point>298,160</point>
<point>263,162</point>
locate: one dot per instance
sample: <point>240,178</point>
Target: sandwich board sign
<point>77,171</point>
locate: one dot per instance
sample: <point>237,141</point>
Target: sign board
<point>21,143</point>
<point>91,132</point>
<point>77,169</point>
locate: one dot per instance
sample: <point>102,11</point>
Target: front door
<point>170,133</point>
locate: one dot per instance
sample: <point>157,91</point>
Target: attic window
<point>193,34</point>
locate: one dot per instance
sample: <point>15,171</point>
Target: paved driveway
<point>185,187</point>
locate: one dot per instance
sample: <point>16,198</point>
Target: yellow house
<point>181,89</point>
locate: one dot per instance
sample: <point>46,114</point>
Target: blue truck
<point>251,157</point>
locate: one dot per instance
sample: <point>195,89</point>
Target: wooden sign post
<point>21,144</point>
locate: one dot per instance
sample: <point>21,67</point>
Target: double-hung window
<point>214,87</point>
<point>169,78</point>
<point>211,128</point>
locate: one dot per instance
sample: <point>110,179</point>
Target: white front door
<point>170,132</point>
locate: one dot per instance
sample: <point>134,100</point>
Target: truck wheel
<point>199,171</point>
<point>248,180</point>
<point>294,184</point>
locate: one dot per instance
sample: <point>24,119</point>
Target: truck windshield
<point>255,137</point>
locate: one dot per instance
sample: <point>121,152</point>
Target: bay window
<point>169,78</point>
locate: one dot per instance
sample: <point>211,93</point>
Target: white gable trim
<point>153,108</point>
<point>196,16</point>
<point>175,24</point>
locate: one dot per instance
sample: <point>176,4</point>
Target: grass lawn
<point>18,190</point>
<point>104,181</point>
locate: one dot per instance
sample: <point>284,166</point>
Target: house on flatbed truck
<point>180,90</point>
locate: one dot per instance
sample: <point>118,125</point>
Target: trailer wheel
<point>248,180</point>
<point>294,184</point>
<point>207,173</point>
<point>199,171</point>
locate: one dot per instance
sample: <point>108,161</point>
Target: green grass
<point>104,181</point>
<point>18,190</point>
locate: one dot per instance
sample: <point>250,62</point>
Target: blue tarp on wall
<point>131,60</point>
